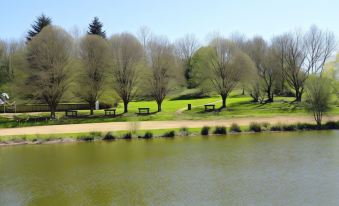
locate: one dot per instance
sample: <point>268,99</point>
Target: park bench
<point>209,107</point>
<point>108,112</point>
<point>143,110</point>
<point>71,113</point>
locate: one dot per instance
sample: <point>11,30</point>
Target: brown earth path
<point>149,125</point>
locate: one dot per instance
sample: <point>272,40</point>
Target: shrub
<point>148,135</point>
<point>95,134</point>
<point>255,127</point>
<point>128,135</point>
<point>205,130</point>
<point>277,127</point>
<point>331,125</point>
<point>265,125</point>
<point>289,127</point>
<point>169,134</point>
<point>184,131</point>
<point>220,130</point>
<point>85,138</point>
<point>235,128</point>
<point>306,126</point>
<point>109,136</point>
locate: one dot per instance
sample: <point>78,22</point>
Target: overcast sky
<point>174,18</point>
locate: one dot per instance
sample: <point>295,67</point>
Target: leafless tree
<point>48,57</point>
<point>126,52</point>
<point>144,35</point>
<point>161,62</point>
<point>93,57</point>
<point>185,48</point>
<point>304,54</point>
<point>228,66</point>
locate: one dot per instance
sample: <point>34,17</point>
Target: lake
<point>292,168</point>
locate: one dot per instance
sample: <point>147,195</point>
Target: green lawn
<point>237,106</point>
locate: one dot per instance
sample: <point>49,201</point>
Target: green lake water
<point>297,168</point>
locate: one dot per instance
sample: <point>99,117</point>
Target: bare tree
<point>126,52</point>
<point>161,61</point>
<point>185,48</point>
<point>48,57</point>
<point>228,65</point>
<point>144,35</point>
<point>93,56</point>
<point>266,65</point>
<point>304,54</point>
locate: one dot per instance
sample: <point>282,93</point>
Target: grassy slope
<point>237,106</point>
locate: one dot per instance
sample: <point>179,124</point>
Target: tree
<point>185,48</point>
<point>303,55</point>
<point>41,22</point>
<point>95,28</point>
<point>266,66</point>
<point>227,66</point>
<point>161,61</point>
<point>93,56</point>
<point>126,52</point>
<point>48,57</point>
<point>318,93</point>
<point>144,35</point>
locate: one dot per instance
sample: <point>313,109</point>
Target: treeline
<point>50,61</point>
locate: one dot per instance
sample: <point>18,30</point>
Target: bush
<point>255,127</point>
<point>331,125</point>
<point>169,134</point>
<point>148,135</point>
<point>184,131</point>
<point>289,127</point>
<point>265,126</point>
<point>205,130</point>
<point>306,126</point>
<point>220,130</point>
<point>277,127</point>
<point>86,138</point>
<point>235,128</point>
<point>128,135</point>
<point>109,137</point>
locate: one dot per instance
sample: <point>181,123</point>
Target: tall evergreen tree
<point>96,28</point>
<point>38,25</point>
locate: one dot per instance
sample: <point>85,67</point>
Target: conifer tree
<point>38,25</point>
<point>95,28</point>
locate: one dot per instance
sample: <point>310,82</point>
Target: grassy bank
<point>237,106</point>
<point>165,133</point>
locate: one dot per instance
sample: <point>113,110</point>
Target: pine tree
<point>96,28</point>
<point>38,25</point>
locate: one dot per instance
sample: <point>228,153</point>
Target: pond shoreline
<point>67,139</point>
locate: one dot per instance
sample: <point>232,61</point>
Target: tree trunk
<point>223,101</point>
<point>53,108</point>
<point>91,111</point>
<point>125,106</point>
<point>243,91</point>
<point>159,106</point>
<point>298,94</point>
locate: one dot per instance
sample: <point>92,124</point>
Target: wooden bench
<point>71,113</point>
<point>143,110</point>
<point>209,107</point>
<point>108,112</point>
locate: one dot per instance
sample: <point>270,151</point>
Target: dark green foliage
<point>38,25</point>
<point>255,127</point>
<point>205,130</point>
<point>277,127</point>
<point>109,136</point>
<point>128,135</point>
<point>331,125</point>
<point>85,138</point>
<point>235,128</point>
<point>148,135</point>
<point>220,130</point>
<point>95,28</point>
<point>289,127</point>
<point>305,126</point>
<point>169,134</point>
<point>265,126</point>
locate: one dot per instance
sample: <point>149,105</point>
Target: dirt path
<point>149,125</point>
